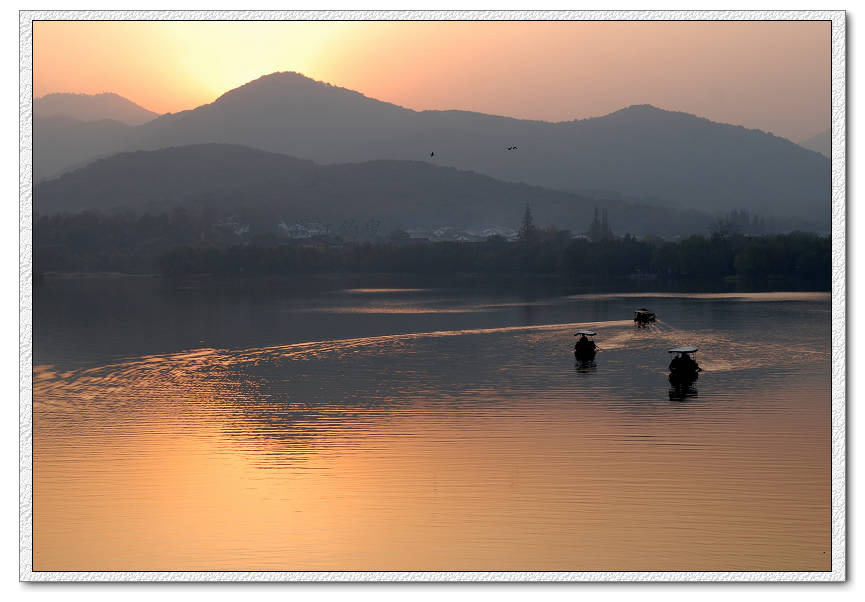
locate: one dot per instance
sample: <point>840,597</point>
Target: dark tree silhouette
<point>527,232</point>
<point>599,229</point>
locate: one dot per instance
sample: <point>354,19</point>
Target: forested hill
<point>263,189</point>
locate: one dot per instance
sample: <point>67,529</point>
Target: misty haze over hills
<point>79,128</point>
<point>262,188</point>
<point>641,152</point>
<point>59,140</point>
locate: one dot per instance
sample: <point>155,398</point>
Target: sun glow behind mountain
<point>171,66</point>
<point>733,72</point>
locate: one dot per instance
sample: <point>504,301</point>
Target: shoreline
<point>467,280</point>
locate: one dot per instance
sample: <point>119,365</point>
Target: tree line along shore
<point>148,244</point>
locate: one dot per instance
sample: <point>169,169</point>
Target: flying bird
<point>432,154</point>
<point>512,148</point>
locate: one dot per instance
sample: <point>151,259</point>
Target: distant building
<point>300,231</point>
<point>452,234</point>
<point>232,225</point>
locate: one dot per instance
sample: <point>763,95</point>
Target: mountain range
<point>263,189</point>
<point>643,153</point>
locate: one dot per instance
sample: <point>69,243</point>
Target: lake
<point>391,426</point>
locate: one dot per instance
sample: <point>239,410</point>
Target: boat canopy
<point>588,333</point>
<point>683,350</point>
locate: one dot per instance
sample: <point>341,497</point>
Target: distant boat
<point>683,367</point>
<point>643,316</point>
<point>585,348</point>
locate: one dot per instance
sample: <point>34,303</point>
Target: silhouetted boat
<point>585,348</point>
<point>643,316</point>
<point>683,367</point>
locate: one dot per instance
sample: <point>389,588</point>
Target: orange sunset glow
<point>772,76</point>
<point>194,504</point>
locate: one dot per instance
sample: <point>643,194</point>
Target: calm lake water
<point>423,428</point>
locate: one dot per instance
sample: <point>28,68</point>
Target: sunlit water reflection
<point>443,447</point>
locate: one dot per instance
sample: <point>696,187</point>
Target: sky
<point>773,76</point>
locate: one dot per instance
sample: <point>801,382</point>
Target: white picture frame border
<point>838,303</point>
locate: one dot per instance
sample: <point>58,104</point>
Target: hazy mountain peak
<point>289,84</point>
<point>92,107</point>
<point>821,143</point>
<point>646,108</point>
<point>271,82</point>
<point>647,111</point>
<point>63,95</point>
